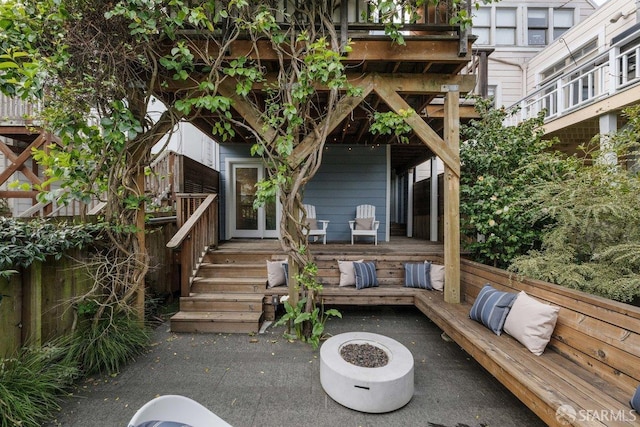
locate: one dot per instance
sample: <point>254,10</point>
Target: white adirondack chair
<point>179,409</point>
<point>365,223</point>
<point>321,230</point>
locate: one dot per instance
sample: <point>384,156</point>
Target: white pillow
<point>347,273</point>
<point>275,273</point>
<point>437,276</point>
<point>531,322</point>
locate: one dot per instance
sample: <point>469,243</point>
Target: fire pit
<point>373,374</point>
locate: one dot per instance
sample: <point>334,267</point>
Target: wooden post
<point>452,198</point>
<point>32,305</point>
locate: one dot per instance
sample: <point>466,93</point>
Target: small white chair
<point>365,223</point>
<point>320,231</point>
<point>174,408</point>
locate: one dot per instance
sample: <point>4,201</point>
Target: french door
<point>247,221</point>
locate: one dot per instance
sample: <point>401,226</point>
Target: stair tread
<point>231,296</point>
<point>220,316</point>
<point>232,265</point>
<point>233,280</point>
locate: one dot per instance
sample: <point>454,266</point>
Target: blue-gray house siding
<point>348,176</point>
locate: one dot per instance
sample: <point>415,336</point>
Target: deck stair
<point>228,292</point>
<point>226,295</point>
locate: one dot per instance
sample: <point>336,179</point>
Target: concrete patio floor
<point>264,380</point>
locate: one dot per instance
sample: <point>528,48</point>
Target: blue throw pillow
<point>491,308</point>
<point>417,275</point>
<point>635,400</point>
<point>285,267</point>
<point>365,275</point>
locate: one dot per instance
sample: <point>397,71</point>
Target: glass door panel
<point>247,221</point>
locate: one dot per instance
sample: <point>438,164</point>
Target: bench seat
<point>544,383</point>
<point>591,366</point>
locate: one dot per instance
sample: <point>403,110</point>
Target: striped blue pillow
<point>491,307</point>
<point>417,275</point>
<point>365,275</point>
<point>635,400</point>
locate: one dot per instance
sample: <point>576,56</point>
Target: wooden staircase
<point>226,295</point>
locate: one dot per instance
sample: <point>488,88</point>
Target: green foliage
<point>106,344</point>
<point>392,123</point>
<point>23,242</point>
<point>593,237</point>
<point>295,317</point>
<point>499,164</point>
<point>31,384</point>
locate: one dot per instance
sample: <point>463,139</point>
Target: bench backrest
<point>389,268</point>
<point>311,211</point>
<point>601,335</point>
<point>366,211</point>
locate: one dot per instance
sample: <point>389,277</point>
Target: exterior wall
<point>190,142</point>
<point>348,176</point>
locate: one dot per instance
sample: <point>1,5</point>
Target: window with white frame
<point>537,26</point>
<point>500,26</point>
<point>506,24</point>
<point>482,25</point>
<point>562,21</point>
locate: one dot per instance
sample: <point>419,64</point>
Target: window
<point>537,24</point>
<point>562,21</point>
<point>506,26</point>
<point>482,25</point>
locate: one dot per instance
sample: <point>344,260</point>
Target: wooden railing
<point>161,183</point>
<point>196,235</point>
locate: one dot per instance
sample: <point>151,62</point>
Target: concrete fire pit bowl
<point>374,390</point>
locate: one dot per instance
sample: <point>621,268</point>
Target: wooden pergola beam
<point>449,156</point>
<point>343,108</point>
<point>400,82</point>
<point>248,112</point>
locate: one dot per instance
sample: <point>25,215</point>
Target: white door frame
<point>231,165</point>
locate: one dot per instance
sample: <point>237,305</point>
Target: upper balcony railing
<point>577,87</point>
<point>360,19</point>
<point>16,112</point>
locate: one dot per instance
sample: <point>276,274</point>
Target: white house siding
<point>505,71</point>
<point>508,64</point>
<point>597,26</point>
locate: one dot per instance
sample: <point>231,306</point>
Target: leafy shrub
<point>31,383</point>
<point>24,242</point>
<point>106,344</point>
<point>593,238</point>
<point>499,163</point>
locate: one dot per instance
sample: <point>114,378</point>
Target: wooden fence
<point>35,306</point>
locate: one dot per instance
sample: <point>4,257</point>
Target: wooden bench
<point>591,365</point>
<point>390,273</point>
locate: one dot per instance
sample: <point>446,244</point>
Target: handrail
<point>194,238</point>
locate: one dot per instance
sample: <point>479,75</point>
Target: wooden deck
<point>397,245</point>
<point>229,289</point>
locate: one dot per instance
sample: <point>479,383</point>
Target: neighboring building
<point>516,31</point>
<point>584,80</point>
